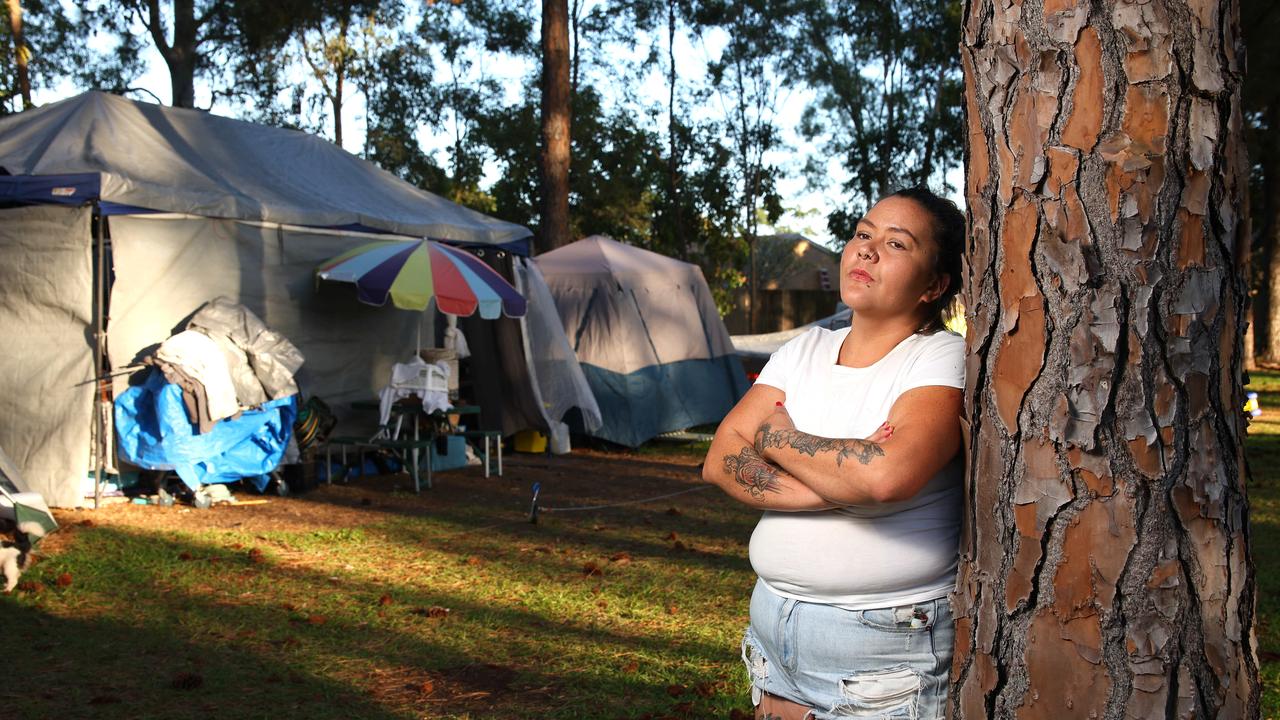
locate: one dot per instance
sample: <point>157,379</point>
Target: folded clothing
<point>202,359</point>
<point>265,357</point>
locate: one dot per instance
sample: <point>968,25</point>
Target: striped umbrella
<point>412,272</point>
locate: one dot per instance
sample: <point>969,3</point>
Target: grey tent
<point>118,219</point>
<point>648,337</point>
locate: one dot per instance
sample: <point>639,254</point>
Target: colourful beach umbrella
<point>414,271</point>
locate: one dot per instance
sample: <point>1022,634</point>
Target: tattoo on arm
<point>860,450</point>
<point>753,473</point>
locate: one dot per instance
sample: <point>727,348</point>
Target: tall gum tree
<point>1105,567</point>
<point>555,126</point>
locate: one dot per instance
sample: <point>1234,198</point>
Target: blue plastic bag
<point>153,431</point>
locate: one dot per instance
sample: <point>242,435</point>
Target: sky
<point>807,207</point>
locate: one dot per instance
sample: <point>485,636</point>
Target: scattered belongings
<point>262,363</point>
<point>207,427</point>
<point>103,209</point>
<point>428,381</point>
<point>314,424</point>
<point>193,361</point>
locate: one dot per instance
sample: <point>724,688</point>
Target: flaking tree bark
<point>1105,567</point>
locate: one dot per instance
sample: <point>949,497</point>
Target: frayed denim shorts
<point>884,663</point>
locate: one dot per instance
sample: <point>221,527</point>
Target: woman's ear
<point>941,282</point>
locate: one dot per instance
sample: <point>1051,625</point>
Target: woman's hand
<point>779,419</point>
<point>889,466</point>
<point>882,433</point>
<point>735,466</point>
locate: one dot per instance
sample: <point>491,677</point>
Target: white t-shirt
<point>859,557</point>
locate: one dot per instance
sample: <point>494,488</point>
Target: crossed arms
<point>759,458</point>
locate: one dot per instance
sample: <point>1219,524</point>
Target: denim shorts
<point>884,663</point>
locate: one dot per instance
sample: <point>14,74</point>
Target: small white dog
<point>11,561</point>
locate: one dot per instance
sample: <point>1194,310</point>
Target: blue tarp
<point>661,398</point>
<point>154,432</point>
<point>66,189</point>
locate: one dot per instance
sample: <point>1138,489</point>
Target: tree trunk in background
<point>1271,238</point>
<point>343,59</point>
<point>336,101</point>
<point>181,55</point>
<point>1105,569</point>
<point>555,125</point>
<point>20,52</point>
<point>673,150</point>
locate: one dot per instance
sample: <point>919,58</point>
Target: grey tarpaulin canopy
<point>127,216</point>
<point>196,163</point>
<point>648,337</point>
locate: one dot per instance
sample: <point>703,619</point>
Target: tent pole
<point>98,420</point>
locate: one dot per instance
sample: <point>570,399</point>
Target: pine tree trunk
<point>1271,237</point>
<point>1105,569</point>
<point>555,125</point>
<point>673,149</point>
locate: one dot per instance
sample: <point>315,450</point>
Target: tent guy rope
<point>535,508</point>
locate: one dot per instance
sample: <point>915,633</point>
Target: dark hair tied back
<point>948,235</point>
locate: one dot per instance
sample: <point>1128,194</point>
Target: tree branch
<point>155,25</point>
<point>143,90</point>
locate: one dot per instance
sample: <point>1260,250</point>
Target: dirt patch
<point>584,477</point>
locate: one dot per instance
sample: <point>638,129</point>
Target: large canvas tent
<point>118,219</point>
<point>648,337</point>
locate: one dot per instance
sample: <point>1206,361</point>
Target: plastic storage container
<point>530,441</point>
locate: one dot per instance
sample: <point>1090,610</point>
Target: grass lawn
<point>366,601</point>
<point>1263,450</point>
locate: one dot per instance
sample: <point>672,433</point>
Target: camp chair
<point>430,383</point>
<point>27,510</point>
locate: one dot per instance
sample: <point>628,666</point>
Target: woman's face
<point>887,269</point>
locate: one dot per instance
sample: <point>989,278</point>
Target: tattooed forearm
<point>860,450</point>
<point>752,472</point>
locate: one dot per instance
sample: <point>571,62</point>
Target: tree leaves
<point>678,145</point>
<point>888,83</point>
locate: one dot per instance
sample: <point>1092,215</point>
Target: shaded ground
<point>366,600</point>
<point>584,477</point>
